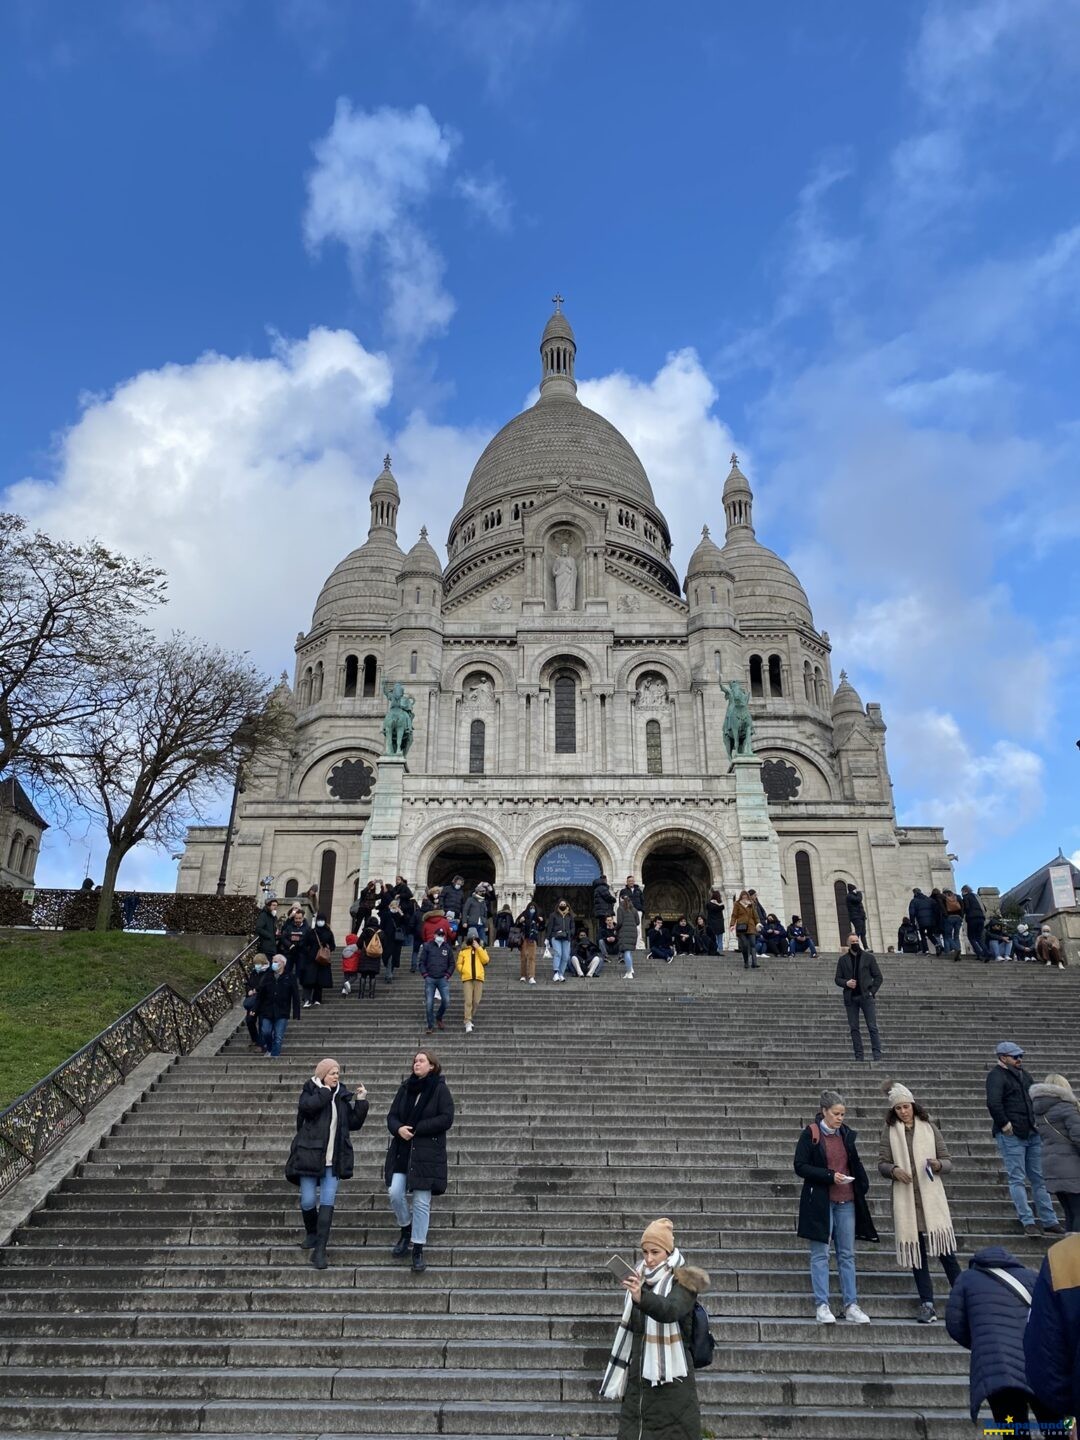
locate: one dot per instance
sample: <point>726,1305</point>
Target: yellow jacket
<point>472,961</point>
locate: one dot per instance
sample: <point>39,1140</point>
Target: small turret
<point>385,499</point>
<point>558,350</point>
<point>738,503</point>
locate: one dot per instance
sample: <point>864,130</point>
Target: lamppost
<point>243,736</point>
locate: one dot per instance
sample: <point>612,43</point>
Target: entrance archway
<point>676,881</point>
<point>566,871</point>
<point>461,856</point>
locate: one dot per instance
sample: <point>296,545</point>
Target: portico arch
<point>457,849</point>
<point>677,869</point>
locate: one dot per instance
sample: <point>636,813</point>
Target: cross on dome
<point>704,532</point>
<point>386,461</point>
<point>557,301</point>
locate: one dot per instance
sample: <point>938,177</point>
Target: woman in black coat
<point>833,1205</point>
<point>316,973</point>
<point>714,922</point>
<point>296,941</point>
<point>321,1153</point>
<point>422,1113</point>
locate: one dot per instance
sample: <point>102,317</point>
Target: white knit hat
<point>899,1095</point>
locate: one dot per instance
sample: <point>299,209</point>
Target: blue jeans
<point>430,987</point>
<point>418,1215</point>
<point>1000,950</point>
<point>950,929</point>
<point>560,956</point>
<point>1023,1161</point>
<point>628,959</point>
<point>273,1034</point>
<point>842,1234</point>
<point>316,1189</point>
<point>795,948</point>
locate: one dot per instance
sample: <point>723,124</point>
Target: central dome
<point>558,437</point>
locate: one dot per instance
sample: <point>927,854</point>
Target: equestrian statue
<point>738,722</point>
<point>398,724</point>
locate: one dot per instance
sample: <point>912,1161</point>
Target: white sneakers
<point>825,1315</point>
<point>306,1005</point>
<point>346,989</point>
<point>532,979</point>
<point>468,1027</point>
<point>557,977</point>
<point>522,979</point>
<point>855,1315</point>
<point>629,975</point>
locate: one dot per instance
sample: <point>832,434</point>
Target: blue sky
<point>252,244</point>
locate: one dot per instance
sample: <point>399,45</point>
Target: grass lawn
<point>58,990</point>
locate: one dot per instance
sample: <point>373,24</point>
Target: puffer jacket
<point>924,911</point>
<point>474,911</point>
<point>626,928</point>
<point>603,899</point>
<point>1008,1099</point>
<point>561,925</point>
<point>472,962</point>
<point>988,1318</point>
<point>1057,1119</point>
<point>662,1412</point>
<point>307,1156</point>
<point>1052,1337</point>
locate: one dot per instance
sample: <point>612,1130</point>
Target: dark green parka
<point>662,1412</point>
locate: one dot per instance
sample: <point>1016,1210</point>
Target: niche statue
<point>738,722</point>
<point>397,725</point>
<point>564,569</point>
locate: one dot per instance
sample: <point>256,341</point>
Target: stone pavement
<point>161,1286</point>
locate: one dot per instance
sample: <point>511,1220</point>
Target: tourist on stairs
<point>277,1000</point>
<point>316,974</point>
<point>744,922</point>
<point>561,928</point>
<point>1057,1119</point>
<point>422,1113</point>
<point>321,1153</point>
<point>1019,1144</point>
<point>714,921</point>
<point>856,913</point>
<point>266,930</point>
<point>626,919</point>
<point>683,937</point>
<point>531,924</point>
<point>436,966</point>
<point>858,976</point>
<point>773,936</point>
<point>586,959</point>
<point>649,1369</point>
<point>833,1205</point>
<point>987,1314</point>
<point>799,939</point>
<point>914,1157</point>
<point>296,940</point>
<point>658,945</point>
<point>472,961</point>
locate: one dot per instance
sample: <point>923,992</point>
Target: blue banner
<point>567,865</point>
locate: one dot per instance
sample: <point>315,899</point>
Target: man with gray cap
<point>1017,1139</point>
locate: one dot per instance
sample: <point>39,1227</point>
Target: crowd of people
<point>995,1306</point>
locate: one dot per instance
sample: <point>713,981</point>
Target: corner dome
<point>363,585</point>
<point>846,701</point>
<point>765,588</point>
<point>422,558</point>
<point>707,559</point>
<point>558,438</point>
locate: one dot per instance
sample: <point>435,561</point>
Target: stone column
<point>758,842</point>
<point>381,841</point>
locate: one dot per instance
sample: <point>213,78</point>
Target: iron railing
<point>131,910</point>
<point>165,1021</point>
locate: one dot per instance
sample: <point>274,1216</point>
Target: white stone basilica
<point>568,715</point>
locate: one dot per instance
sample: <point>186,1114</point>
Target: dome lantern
<point>738,502</point>
<point>558,350</point>
<point>385,499</point>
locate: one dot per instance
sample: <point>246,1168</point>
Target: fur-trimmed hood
<point>692,1279</point>
<point>1051,1095</point>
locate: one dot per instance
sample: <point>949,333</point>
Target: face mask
<point>260,968</point>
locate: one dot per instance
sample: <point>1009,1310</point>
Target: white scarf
<point>940,1239</point>
<point>665,1354</point>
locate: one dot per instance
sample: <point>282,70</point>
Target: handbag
<point>322,955</point>
<point>547,950</point>
<point>250,1002</point>
<point>374,946</point>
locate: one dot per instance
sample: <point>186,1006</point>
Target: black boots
<point>401,1249</point>
<point>311,1221</point>
<point>322,1236</point>
<point>419,1264</point>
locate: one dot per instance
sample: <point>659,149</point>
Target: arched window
<point>413,661</point>
<point>717,661</point>
<point>476,747</point>
<point>697,594</point>
<point>776,681</point>
<point>418,594</point>
<point>317,682</point>
<point>433,597</point>
<point>305,687</point>
<point>654,755</point>
<point>712,594</point>
<point>565,714</point>
<point>808,681</point>
<point>352,671</point>
<point>327,874</point>
<point>805,881</point>
<point>819,686</point>
<point>756,685</point>
<point>28,858</point>
<point>13,850</point>
<point>370,666</point>
<point>843,921</point>
<point>292,889</point>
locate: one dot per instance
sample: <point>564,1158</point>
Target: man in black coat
<point>452,896</point>
<point>603,902</point>
<point>859,977</point>
<point>925,913</point>
<point>856,913</point>
<point>974,920</point>
<point>637,897</point>
<point>277,1000</point>
<point>1017,1138</point>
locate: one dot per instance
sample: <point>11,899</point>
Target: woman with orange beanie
<point>649,1369</point>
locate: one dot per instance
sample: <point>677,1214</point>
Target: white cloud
<point>980,798</point>
<point>500,36</point>
<point>374,172</point>
<point>489,197</point>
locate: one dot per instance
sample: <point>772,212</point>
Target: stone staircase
<point>162,1288</point>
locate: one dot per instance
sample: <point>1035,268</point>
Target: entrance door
<point>566,872</point>
<point>676,881</point>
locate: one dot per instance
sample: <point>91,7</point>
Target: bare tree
<point>168,742</point>
<point>69,626</point>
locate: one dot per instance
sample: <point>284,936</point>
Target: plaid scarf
<point>664,1357</point>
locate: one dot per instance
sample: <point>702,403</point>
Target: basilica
<point>565,688</point>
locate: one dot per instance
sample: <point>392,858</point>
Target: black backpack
<point>698,1337</point>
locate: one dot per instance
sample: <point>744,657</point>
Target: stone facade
<point>566,690</point>
<point>21,829</point>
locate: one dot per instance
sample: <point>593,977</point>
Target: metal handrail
<point>164,1021</point>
